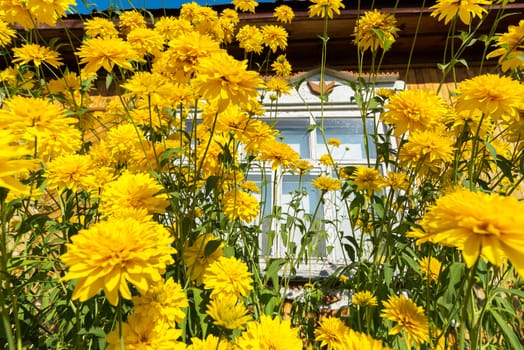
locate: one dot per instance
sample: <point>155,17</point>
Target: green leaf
<point>484,38</point>
<point>228,251</point>
<point>168,152</point>
<point>272,271</point>
<point>509,334</point>
<point>199,302</point>
<point>471,42</point>
<point>212,246</point>
<point>491,150</point>
<point>211,183</point>
<point>379,209</point>
<point>359,100</point>
<point>109,80</point>
<point>443,67</point>
<point>517,292</point>
<point>463,62</point>
<point>505,166</point>
<point>387,44</point>
<point>388,274</point>
<point>521,164</point>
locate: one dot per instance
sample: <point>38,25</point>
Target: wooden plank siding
<point>431,79</point>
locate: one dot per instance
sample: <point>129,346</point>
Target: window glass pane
<point>351,133</point>
<point>294,133</point>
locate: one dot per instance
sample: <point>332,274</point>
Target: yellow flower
<point>66,141</point>
<point>409,317</point>
<point>228,276</point>
<point>429,149</point>
<point>375,29</point>
<point>12,162</point>
<point>228,25</point>
<point>230,15</point>
<point>130,20</point>
<point>143,332</point>
<point>334,142</point>
<point>269,333</point>
<point>250,39</point>
<point>343,278</point>
<point>197,256</point>
<point>510,48</point>
<point>325,183</point>
<point>326,160</point>
<point>364,298</point>
<point>12,77</point>
<point>466,9</point>
<point>323,8</point>
<point>284,14</point>
<point>49,11</point>
<point>478,224</point>
<point>100,27</point>
<point>133,191</point>
<point>245,5</point>
<point>113,253</point>
<point>183,56</point>
<point>228,312</point>
<point>205,21</point>
<point>397,181</point>
<point>430,268</point>
<point>171,27</point>
<point>302,166</point>
<point>210,343</point>
<point>414,110</point>
<point>250,186</point>
<point>281,66</point>
<point>232,121</point>
<point>496,96</point>
<point>330,332</point>
<point>122,142</point>
<point>68,85</point>
<point>385,92</point>
<point>36,54</point>
<point>470,122</point>
<point>357,340</point>
<point>257,134</point>
<point>153,88</point>
<point>41,124</point>
<point>367,179</point>
<point>15,11</point>
<point>274,37</point>
<point>240,205</point>
<point>145,41</point>
<point>105,52</point>
<point>6,34</point>
<point>69,172</point>
<point>278,86</point>
<point>278,153</point>
<point>165,301</point>
<point>224,80</point>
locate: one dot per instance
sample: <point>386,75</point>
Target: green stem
<point>120,333</point>
<point>469,293</point>
<point>4,285</point>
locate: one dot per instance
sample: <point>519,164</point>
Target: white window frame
<point>302,103</point>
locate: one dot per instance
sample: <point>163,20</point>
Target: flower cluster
<point>163,216</point>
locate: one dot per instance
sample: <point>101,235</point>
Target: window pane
<point>294,133</point>
<point>351,133</point>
